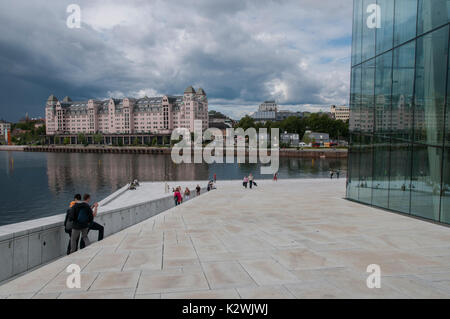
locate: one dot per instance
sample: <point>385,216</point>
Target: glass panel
<point>365,169</point>
<point>355,100</point>
<point>402,91</point>
<point>405,21</point>
<point>400,176</point>
<point>383,88</point>
<point>445,201</point>
<point>357,31</point>
<point>367,99</point>
<point>385,32</point>
<point>430,87</point>
<point>380,182</point>
<point>447,117</point>
<point>432,14</point>
<point>426,181</point>
<point>353,167</point>
<point>368,34</point>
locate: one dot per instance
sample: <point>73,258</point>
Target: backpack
<point>82,215</point>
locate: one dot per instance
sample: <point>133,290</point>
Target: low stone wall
<point>308,153</point>
<point>12,148</point>
<point>314,153</point>
<point>27,245</point>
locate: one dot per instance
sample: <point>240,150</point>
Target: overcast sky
<point>241,52</point>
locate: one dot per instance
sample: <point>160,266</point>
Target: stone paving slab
<point>285,239</point>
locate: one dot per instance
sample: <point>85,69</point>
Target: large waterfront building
<point>158,115</point>
<point>399,155</point>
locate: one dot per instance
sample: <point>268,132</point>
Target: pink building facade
<point>155,115</point>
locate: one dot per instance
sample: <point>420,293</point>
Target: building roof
<point>67,99</point>
<point>200,91</point>
<point>189,90</point>
<point>52,98</point>
<point>318,135</point>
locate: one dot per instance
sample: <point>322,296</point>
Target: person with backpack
<point>68,222</point>
<point>83,216</point>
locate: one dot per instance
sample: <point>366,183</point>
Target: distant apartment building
<point>268,106</point>
<point>268,111</point>
<point>340,112</point>
<point>157,115</point>
<point>3,127</point>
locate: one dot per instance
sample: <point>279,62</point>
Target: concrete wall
<point>27,245</point>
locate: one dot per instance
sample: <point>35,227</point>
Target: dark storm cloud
<point>240,52</point>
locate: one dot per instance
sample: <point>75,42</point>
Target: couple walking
<point>249,180</point>
<point>79,220</point>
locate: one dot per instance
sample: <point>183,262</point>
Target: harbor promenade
<point>285,239</point>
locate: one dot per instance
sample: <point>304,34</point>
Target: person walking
<point>83,215</point>
<point>275,177</point>
<point>250,180</point>
<point>68,221</point>
<point>215,177</point>
<point>331,174</point>
<point>187,194</point>
<point>338,172</point>
<point>245,182</point>
<point>198,189</point>
<point>177,196</point>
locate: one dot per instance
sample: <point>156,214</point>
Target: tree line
<point>315,122</point>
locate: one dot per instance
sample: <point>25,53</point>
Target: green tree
<point>135,141</point>
<point>66,141</point>
<point>245,123</point>
<point>307,139</point>
<point>155,141</point>
<point>82,138</point>
<point>98,138</point>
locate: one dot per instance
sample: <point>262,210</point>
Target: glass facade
<point>399,155</point>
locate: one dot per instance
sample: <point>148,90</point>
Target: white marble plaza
<point>290,239</point>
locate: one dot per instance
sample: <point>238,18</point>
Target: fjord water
<point>34,185</point>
